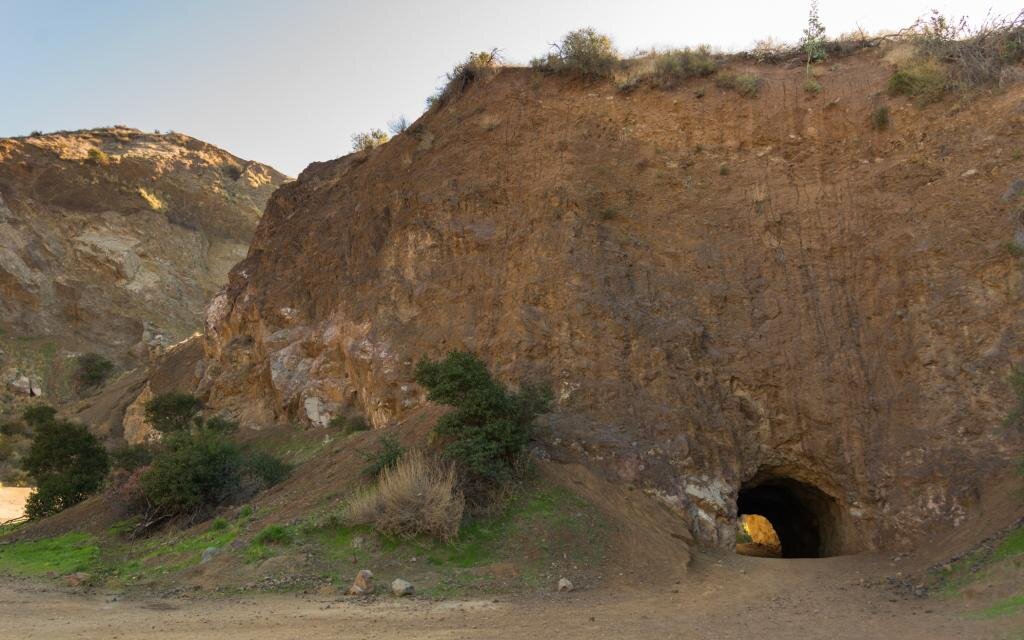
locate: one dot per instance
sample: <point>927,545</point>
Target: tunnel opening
<point>803,517</point>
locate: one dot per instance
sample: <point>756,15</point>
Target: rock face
<point>112,240</point>
<point>726,293</point>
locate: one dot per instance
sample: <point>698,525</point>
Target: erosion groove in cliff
<point>719,288</point>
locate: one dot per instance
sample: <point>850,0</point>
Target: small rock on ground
<point>564,584</point>
<point>363,584</point>
<point>401,588</point>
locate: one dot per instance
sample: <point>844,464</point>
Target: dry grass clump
<point>952,56</point>
<point>924,80</point>
<point>584,51</point>
<point>745,84</point>
<point>677,65</point>
<point>975,57</point>
<point>417,496</point>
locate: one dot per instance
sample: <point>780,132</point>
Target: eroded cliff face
<point>721,290</point>
<point>113,240</point>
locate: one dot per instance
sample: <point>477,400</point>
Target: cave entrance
<point>803,518</point>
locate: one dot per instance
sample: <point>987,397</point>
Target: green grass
<point>69,553</point>
<point>1002,608</point>
<point>539,529</point>
<point>981,563</point>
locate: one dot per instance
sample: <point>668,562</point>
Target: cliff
<point>727,293</point>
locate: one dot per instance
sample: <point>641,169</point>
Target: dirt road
<point>724,598</point>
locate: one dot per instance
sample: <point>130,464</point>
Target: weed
<point>1015,249</point>
<point>398,125</point>
<point>812,86</point>
<point>880,118</point>
<point>274,534</point>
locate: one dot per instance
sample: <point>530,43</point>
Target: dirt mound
<point>728,293</point>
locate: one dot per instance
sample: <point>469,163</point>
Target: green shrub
<point>387,456</point>
<point>93,370</point>
<point>880,118</point>
<point>220,424</point>
<point>487,433</point>
<point>922,80</point>
<point>193,472</point>
<point>219,524</point>
<point>264,470</point>
<point>13,428</point>
<point>130,457</point>
<point>745,84</point>
<point>673,67</point>
<point>812,86</point>
<point>369,140</point>
<point>38,415</point>
<point>173,412</point>
<point>274,534</point>
<point>349,424</point>
<point>584,51</point>
<point>66,463</point>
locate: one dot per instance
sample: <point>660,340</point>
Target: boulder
<point>401,588</point>
<point>363,584</point>
<point>209,553</point>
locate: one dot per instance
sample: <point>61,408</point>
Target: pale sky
<point>288,82</point>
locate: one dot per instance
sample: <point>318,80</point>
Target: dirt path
<point>731,597</point>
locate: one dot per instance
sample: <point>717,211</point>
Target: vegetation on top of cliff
<point>368,140</point>
<point>65,461</point>
<point>583,51</point>
<point>476,66</point>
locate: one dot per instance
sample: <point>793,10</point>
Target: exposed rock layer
<point>718,288</point>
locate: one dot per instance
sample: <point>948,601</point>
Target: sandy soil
<point>722,598</point>
<point>12,502</point>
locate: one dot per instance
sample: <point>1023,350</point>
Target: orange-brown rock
<point>717,287</point>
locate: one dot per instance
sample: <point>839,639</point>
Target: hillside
<point>111,241</point>
<point>743,299</point>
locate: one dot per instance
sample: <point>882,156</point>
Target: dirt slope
<point>725,292</point>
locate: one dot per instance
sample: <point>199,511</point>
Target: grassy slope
<point>543,533</point>
<point>999,562</point>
